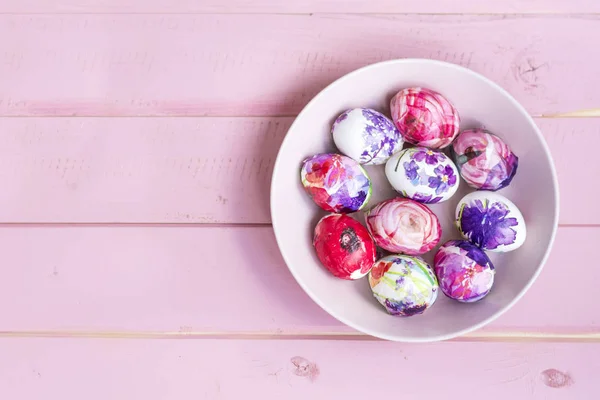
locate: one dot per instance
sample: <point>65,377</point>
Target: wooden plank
<point>230,369</point>
<point>198,170</point>
<point>194,170</point>
<point>110,65</point>
<point>305,6</point>
<point>225,280</point>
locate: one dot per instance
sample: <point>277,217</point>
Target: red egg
<point>344,246</point>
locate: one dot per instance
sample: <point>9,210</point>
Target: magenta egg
<point>424,117</point>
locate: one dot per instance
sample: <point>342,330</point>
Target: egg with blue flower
<point>491,221</point>
<point>422,174</point>
<point>366,135</point>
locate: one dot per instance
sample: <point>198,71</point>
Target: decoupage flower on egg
<point>464,271</point>
<point>336,183</point>
<point>431,157</point>
<point>366,135</point>
<point>443,180</point>
<point>486,224</point>
<point>429,199</point>
<point>473,252</point>
<point>484,160</point>
<point>421,174</point>
<point>425,117</point>
<point>344,246</point>
<point>381,268</point>
<point>411,169</point>
<point>403,285</point>
<point>490,221</point>
<point>404,225</point>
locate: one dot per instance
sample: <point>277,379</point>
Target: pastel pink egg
<point>404,226</point>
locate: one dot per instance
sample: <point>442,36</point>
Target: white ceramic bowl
<point>480,102</point>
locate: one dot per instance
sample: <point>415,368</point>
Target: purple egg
<point>464,271</point>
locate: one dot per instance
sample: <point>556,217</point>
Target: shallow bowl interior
<point>481,103</point>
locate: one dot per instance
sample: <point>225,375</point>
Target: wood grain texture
<point>194,170</point>
<point>213,369</point>
<point>257,65</point>
<point>303,6</point>
<point>226,280</point>
<point>138,170</point>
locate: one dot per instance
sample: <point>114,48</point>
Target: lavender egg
<point>366,136</point>
<point>464,271</point>
<point>422,174</point>
<point>490,221</point>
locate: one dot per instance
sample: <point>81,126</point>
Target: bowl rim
<point>501,311</point>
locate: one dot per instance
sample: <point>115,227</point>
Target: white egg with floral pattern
<point>422,174</point>
<point>490,221</point>
<point>366,136</point>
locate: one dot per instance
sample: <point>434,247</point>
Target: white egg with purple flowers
<point>422,174</point>
<point>366,136</point>
<point>490,221</point>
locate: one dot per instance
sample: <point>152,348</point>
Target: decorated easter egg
<point>464,271</point>
<point>404,226</point>
<point>344,247</point>
<point>424,117</point>
<point>484,160</point>
<point>490,221</point>
<point>366,135</point>
<point>422,174</point>
<point>336,183</point>
<point>404,285</point>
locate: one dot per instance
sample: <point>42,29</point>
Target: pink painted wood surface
<point>212,369</point>
<point>255,72</point>
<point>232,65</point>
<point>223,280</point>
<point>302,6</point>
<point>194,170</point>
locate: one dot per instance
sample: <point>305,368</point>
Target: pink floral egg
<point>464,271</point>
<point>404,226</point>
<point>424,117</point>
<point>484,160</point>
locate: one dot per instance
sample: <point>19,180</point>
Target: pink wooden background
<point>137,140</point>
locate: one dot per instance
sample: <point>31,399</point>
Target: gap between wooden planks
<point>483,335</point>
<point>256,65</point>
<point>294,370</point>
<point>99,280</point>
<point>196,170</point>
